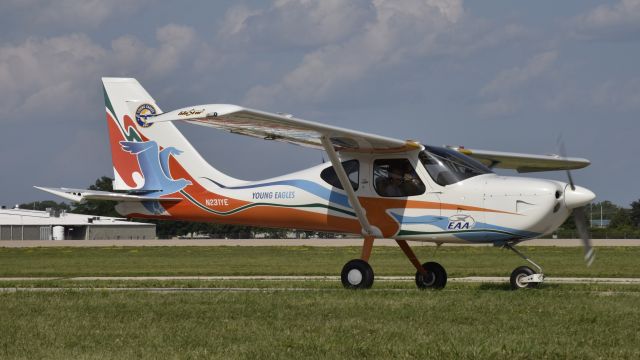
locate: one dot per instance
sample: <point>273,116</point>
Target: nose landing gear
<point>523,276</point>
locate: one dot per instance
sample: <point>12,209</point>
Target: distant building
<point>22,224</point>
<point>600,223</point>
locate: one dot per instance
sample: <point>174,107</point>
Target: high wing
<point>524,162</point>
<point>283,127</point>
<point>83,194</point>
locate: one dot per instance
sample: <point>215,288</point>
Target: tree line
<point>623,222</point>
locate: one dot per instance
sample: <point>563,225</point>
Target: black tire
<point>518,274</point>
<point>357,274</point>
<point>436,277</point>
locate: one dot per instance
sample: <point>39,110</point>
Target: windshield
<point>446,166</point>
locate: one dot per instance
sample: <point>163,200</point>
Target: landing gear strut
<point>523,276</point>
<point>429,275</point>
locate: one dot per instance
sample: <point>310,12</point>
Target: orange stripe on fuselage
<point>198,192</point>
<point>282,217</point>
<point>261,215</point>
<point>265,216</point>
<point>274,216</point>
<point>376,209</point>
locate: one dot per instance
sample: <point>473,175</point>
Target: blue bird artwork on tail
<point>154,165</point>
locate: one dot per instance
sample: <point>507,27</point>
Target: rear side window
<point>396,178</point>
<point>351,167</point>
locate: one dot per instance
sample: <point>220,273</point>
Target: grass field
<point>222,260</point>
<point>315,319</point>
<point>467,323</point>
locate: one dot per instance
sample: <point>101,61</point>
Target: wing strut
<point>367,229</point>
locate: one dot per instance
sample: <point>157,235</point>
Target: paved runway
<point>288,242</point>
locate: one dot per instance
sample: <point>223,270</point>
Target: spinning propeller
<point>576,198</point>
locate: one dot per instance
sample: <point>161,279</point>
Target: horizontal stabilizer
<point>524,162</point>
<point>83,194</point>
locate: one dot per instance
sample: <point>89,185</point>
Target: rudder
<point>126,104</point>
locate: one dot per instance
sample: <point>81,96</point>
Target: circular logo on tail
<point>143,112</point>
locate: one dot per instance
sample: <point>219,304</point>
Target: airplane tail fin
<point>141,152</point>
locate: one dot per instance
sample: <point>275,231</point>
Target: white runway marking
<point>470,279</point>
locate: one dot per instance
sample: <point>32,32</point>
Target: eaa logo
<point>143,112</point>
<point>461,222</point>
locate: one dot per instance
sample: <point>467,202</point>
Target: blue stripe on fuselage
<point>306,185</point>
<point>501,232</point>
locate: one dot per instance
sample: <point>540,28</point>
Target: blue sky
<point>496,75</point>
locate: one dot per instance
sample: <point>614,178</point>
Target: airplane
<point>375,186</point>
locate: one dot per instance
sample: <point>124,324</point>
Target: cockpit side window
<point>396,178</point>
<point>446,166</point>
<point>351,167</point>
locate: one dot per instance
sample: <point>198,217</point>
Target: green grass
<point>459,261</point>
<point>317,319</point>
<point>293,285</point>
<point>471,322</point>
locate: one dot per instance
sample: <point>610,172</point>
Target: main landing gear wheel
<point>520,276</point>
<point>357,274</point>
<point>435,278</point>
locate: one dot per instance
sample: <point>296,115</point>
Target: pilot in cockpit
<point>401,181</point>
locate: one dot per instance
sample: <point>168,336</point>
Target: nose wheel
<point>523,276</point>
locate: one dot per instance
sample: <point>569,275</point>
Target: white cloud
<point>399,31</point>
<point>70,14</point>
<point>289,23</point>
<point>502,92</point>
<point>618,21</point>
<point>235,20</point>
<point>476,34</point>
<point>176,43</point>
<point>48,73</point>
<point>53,74</point>
<point>509,79</point>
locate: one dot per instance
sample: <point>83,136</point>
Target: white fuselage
<point>482,208</point>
